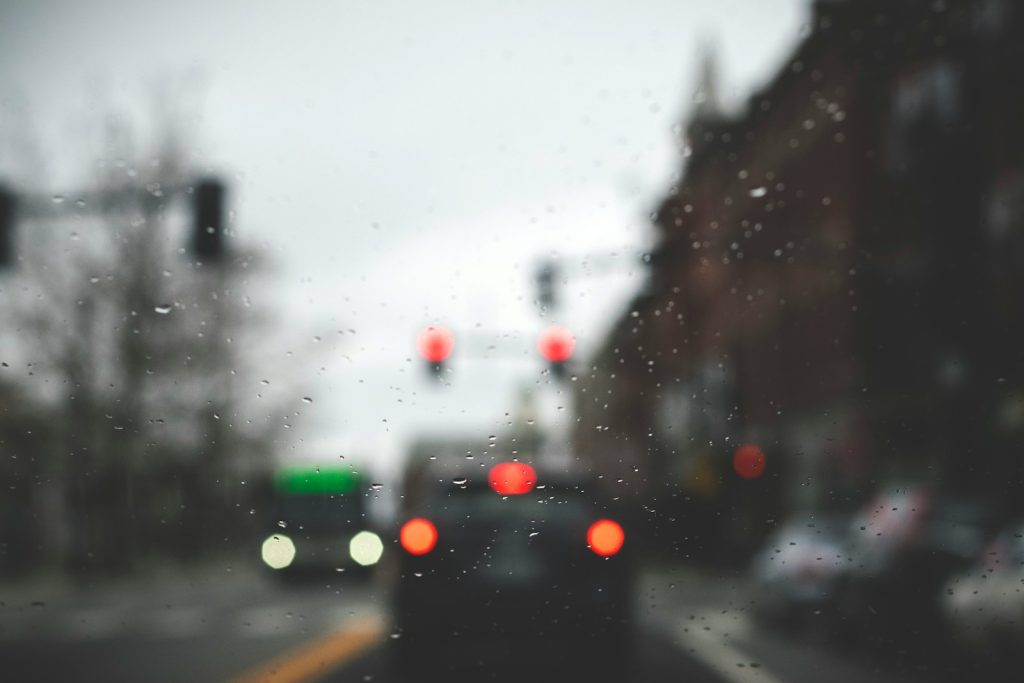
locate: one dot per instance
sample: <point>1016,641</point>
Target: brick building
<point>837,280</point>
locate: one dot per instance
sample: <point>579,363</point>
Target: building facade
<point>837,280</point>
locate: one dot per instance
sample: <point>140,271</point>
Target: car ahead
<point>513,574</point>
<point>905,545</point>
<point>983,606</point>
<point>318,523</point>
<point>797,572</point>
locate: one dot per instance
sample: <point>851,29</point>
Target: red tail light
<point>512,478</point>
<point>418,536</point>
<point>605,537</point>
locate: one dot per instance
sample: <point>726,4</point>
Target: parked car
<point>905,545</point>
<point>798,570</point>
<point>983,606</point>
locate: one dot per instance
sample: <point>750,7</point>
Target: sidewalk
<point>52,586</point>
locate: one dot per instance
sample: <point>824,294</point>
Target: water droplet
<point>376,487</point>
<point>307,399</point>
<point>758,191</point>
<point>163,309</point>
<point>459,481</point>
<point>283,524</point>
<point>58,199</point>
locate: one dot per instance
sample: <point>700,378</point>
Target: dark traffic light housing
<point>208,199</point>
<point>547,297</point>
<point>8,207</point>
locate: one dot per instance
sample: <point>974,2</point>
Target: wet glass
<point>379,341</point>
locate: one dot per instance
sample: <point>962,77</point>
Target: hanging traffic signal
<point>7,209</point>
<point>435,345</point>
<point>547,297</point>
<point>556,345</point>
<point>208,219</point>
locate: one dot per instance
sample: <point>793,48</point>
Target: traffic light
<point>208,216</point>
<point>435,345</point>
<point>7,210</point>
<point>547,297</point>
<point>556,345</point>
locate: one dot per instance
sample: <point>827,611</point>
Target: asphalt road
<point>242,627</point>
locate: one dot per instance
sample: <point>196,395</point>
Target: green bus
<point>318,522</point>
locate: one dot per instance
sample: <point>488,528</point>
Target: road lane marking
<point>312,661</point>
<point>707,638</point>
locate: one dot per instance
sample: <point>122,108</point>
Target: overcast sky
<point>403,163</point>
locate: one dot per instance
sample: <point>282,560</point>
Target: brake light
<point>605,537</point>
<point>418,536</point>
<point>512,478</point>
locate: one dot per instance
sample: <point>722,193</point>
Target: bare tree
<point>139,347</point>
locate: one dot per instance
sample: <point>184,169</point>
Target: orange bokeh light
<point>605,537</point>
<point>418,536</point>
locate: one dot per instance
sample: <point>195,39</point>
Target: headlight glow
<point>366,548</point>
<point>278,551</point>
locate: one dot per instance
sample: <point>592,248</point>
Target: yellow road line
<point>312,661</point>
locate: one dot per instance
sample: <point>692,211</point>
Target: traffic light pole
<point>552,272</point>
<point>208,201</point>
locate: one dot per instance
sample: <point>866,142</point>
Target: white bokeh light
<point>366,548</point>
<point>278,551</point>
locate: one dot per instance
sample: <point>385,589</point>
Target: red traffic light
<point>512,478</point>
<point>748,461</point>
<point>435,344</point>
<point>556,344</point>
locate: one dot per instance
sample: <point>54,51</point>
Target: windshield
<point>384,341</point>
